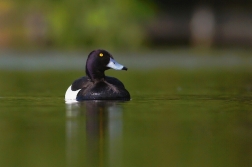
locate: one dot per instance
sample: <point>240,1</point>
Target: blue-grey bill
<point>115,65</point>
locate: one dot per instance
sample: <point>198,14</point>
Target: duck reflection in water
<point>94,133</point>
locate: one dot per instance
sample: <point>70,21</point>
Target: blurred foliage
<point>77,23</point>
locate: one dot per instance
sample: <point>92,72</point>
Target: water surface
<point>176,117</point>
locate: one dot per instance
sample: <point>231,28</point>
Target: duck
<point>95,85</point>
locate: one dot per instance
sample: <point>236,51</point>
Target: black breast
<point>108,89</point>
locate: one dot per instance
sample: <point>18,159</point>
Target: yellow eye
<point>101,54</point>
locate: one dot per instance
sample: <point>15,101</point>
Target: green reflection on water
<point>175,118</point>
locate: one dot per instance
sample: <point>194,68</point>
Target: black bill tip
<point>125,68</point>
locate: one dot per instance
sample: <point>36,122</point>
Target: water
<point>176,117</point>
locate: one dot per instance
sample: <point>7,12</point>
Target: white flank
<point>70,95</point>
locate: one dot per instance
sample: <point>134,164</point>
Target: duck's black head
<point>98,61</point>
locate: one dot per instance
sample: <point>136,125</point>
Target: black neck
<point>95,75</point>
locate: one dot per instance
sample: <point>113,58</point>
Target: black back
<point>108,89</point>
